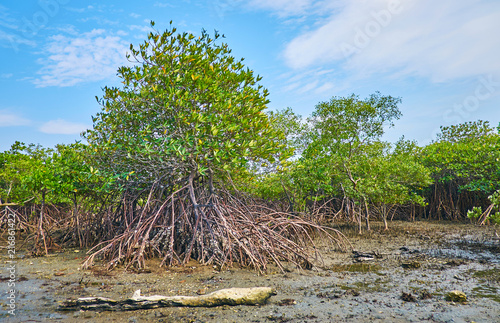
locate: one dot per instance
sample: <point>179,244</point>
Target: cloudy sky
<point>441,57</point>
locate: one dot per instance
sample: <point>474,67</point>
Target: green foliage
<point>494,216</point>
<point>495,198</point>
<point>344,125</point>
<point>491,214</point>
<point>187,106</point>
<point>465,132</point>
<point>345,147</point>
<point>275,181</point>
<point>396,177</point>
<point>339,153</point>
<point>35,174</point>
<point>27,173</point>
<point>467,154</point>
<point>474,213</point>
<point>293,127</point>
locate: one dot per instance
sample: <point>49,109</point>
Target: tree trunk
<point>360,214</point>
<point>77,220</point>
<point>384,215</point>
<point>40,224</point>
<point>196,213</point>
<point>290,200</point>
<point>367,218</point>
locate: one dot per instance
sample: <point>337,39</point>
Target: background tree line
<point>341,169</point>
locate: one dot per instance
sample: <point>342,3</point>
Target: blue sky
<point>441,57</point>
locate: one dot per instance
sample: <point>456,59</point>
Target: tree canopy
<point>186,106</point>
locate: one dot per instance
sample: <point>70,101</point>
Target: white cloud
<point>325,87</point>
<point>68,29</point>
<point>8,119</point>
<point>13,33</point>
<point>100,20</point>
<point>442,40</point>
<point>122,33</point>
<point>144,29</point>
<point>62,127</point>
<point>92,56</point>
<point>292,86</point>
<point>283,8</point>
<point>163,4</point>
<point>308,87</point>
<point>78,10</point>
<point>310,81</point>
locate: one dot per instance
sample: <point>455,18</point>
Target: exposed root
<point>193,223</point>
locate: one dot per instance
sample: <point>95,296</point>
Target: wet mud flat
<point>400,275</point>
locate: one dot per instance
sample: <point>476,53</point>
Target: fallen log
<point>229,296</point>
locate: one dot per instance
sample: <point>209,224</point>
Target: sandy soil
<point>414,267</point>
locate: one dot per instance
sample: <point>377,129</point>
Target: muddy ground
<point>414,266</point>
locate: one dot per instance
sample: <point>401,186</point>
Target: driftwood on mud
<point>229,296</point>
